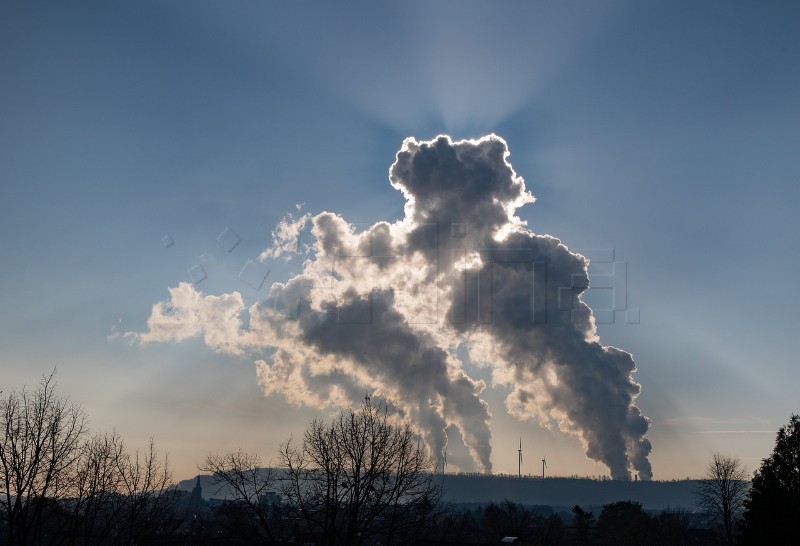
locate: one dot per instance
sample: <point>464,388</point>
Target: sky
<point>659,136</point>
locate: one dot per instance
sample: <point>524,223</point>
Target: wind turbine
<point>544,464</point>
<point>519,461</point>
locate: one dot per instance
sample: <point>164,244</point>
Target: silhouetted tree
<point>507,518</point>
<point>117,496</point>
<point>40,440</point>
<point>624,523</point>
<point>242,475</point>
<point>235,520</point>
<point>148,495</point>
<point>460,528</point>
<point>772,514</point>
<point>550,531</point>
<point>94,490</point>
<point>360,476</point>
<point>582,521</point>
<point>60,486</point>
<point>671,527</point>
<point>722,492</point>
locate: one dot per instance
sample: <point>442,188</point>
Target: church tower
<point>196,503</point>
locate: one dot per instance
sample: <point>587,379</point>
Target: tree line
<point>62,485</point>
<point>361,478</point>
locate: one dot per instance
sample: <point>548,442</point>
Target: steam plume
<point>383,309</point>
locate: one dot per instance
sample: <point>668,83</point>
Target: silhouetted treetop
<point>772,513</point>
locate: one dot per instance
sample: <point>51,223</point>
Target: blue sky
<point>667,132</point>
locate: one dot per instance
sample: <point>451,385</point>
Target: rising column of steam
<point>516,285</point>
<point>385,309</point>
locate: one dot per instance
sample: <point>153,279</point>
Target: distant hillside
<point>478,488</point>
<point>653,495</point>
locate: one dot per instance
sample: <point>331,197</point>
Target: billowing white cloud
<point>189,314</point>
<point>384,309</point>
<point>286,237</point>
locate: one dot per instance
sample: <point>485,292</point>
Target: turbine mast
<point>519,459</point>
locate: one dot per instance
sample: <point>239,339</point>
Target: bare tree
<point>242,475</point>
<point>40,443</point>
<point>507,518</point>
<point>148,495</point>
<point>722,492</point>
<point>360,476</point>
<point>96,484</point>
<point>115,496</point>
<point>58,485</point>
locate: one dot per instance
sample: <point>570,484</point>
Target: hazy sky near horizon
<point>666,132</point>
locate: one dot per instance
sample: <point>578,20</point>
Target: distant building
<point>196,502</point>
<point>193,510</point>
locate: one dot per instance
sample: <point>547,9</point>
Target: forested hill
<point>478,488</point>
<point>653,495</point>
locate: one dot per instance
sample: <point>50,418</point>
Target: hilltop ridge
<point>553,491</point>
